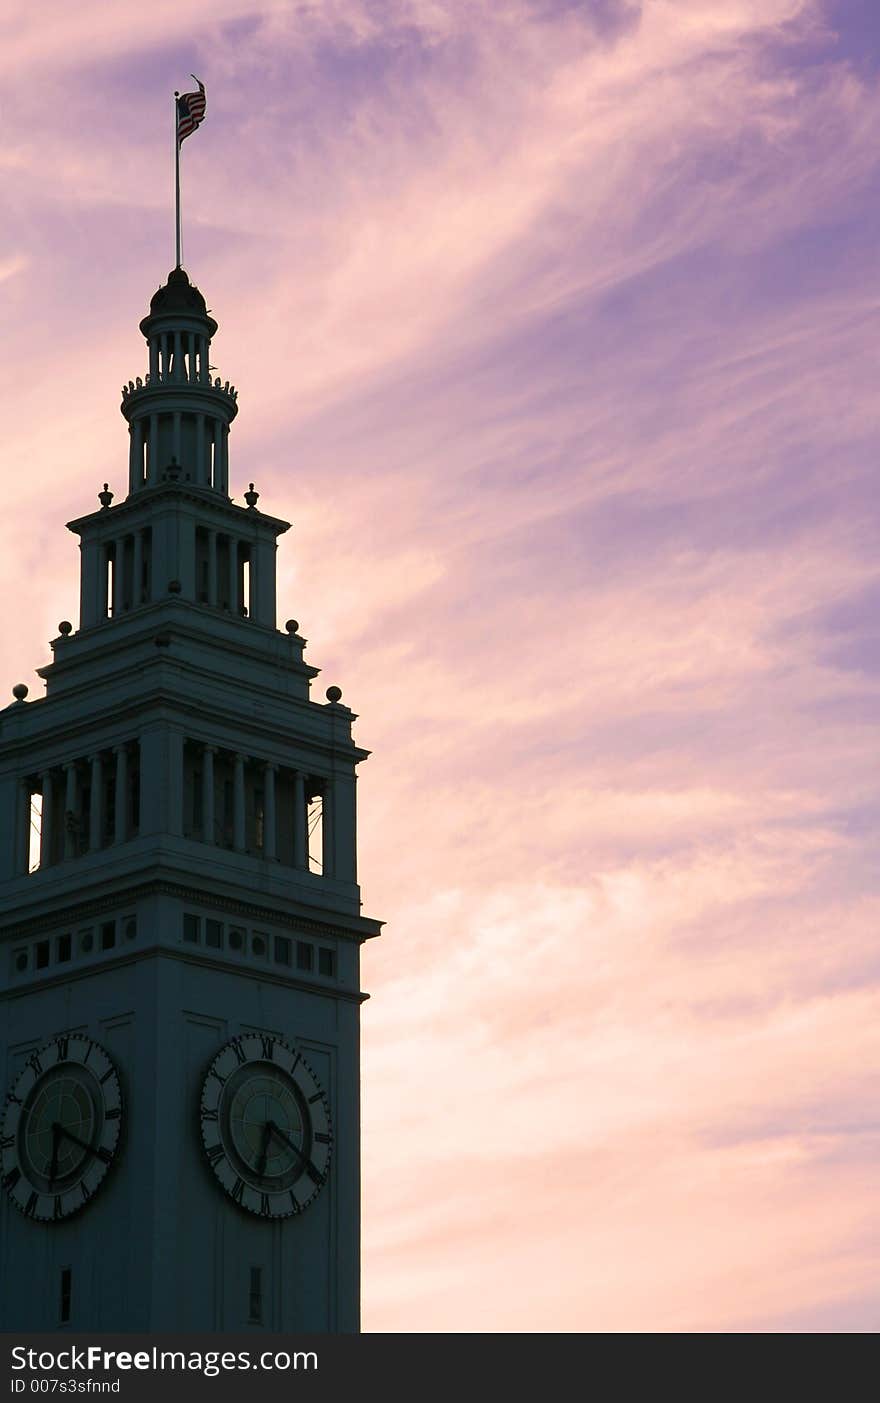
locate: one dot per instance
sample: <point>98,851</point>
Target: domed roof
<point>178,295</point>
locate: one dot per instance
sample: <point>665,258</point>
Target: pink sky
<point>556,328</point>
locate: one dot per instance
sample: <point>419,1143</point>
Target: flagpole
<point>176,183</point>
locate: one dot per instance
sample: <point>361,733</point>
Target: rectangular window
<point>64,949</point>
<point>108,935</point>
<point>326,962</point>
<point>64,1300</point>
<point>34,831</point>
<point>191,929</point>
<point>255,1296</point>
<point>214,934</point>
<point>304,954</point>
<point>282,950</point>
<point>42,954</point>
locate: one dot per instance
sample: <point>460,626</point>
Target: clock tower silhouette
<point>179,913</point>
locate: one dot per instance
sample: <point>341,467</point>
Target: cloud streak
<point>555,329</point>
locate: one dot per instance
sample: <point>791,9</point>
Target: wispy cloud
<point>555,329</point>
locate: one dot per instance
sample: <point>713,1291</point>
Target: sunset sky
<point>556,329</point>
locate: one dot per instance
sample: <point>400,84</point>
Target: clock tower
<point>180,917</point>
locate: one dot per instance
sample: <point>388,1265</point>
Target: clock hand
<point>97,1150</point>
<point>304,1159</point>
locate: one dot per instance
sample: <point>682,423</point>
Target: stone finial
<point>292,626</point>
<point>334,694</point>
<point>105,497</point>
<point>19,691</point>
<point>65,627</point>
<point>251,497</point>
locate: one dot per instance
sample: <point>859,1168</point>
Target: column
<point>201,473</point>
<point>178,358</point>
<point>224,458</point>
<point>269,810</point>
<point>132,460</point>
<point>263,582</point>
<point>208,753</point>
<point>212,567</point>
<point>176,449</point>
<point>217,439</point>
<point>300,835</point>
<point>137,570</point>
<point>191,355</point>
<point>103,576</point>
<point>120,827</point>
<point>71,816</point>
<point>96,803</point>
<point>22,833</point>
<point>118,571</point>
<point>92,564</point>
<point>238,816</point>
<point>233,576</point>
<point>174,818</point>
<point>328,864</point>
<point>153,450</point>
<point>344,832</point>
<point>151,763</point>
<point>203,360</point>
<point>46,823</point>
<point>154,360</point>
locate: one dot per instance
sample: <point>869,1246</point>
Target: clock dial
<point>265,1126</point>
<point>62,1120</point>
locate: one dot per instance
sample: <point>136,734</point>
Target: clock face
<point>61,1124</point>
<point>265,1126</point>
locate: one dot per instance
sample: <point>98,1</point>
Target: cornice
<point>78,911</point>
<point>173,492</point>
<point>164,952</point>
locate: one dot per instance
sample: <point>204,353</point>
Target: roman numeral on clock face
<point>215,1152</point>
<point>268,1048</point>
<point>30,1207</point>
<point>7,1142</point>
<point>62,1045</point>
<point>238,1190</point>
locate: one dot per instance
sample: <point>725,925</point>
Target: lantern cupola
<point>178,415</point>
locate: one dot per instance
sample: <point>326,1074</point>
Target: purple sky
<point>556,328</point>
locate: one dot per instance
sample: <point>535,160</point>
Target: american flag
<point>190,111</point>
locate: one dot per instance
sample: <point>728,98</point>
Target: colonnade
<point>210,462</point>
